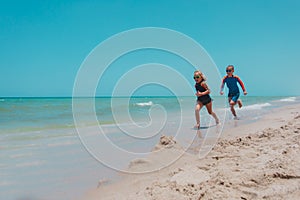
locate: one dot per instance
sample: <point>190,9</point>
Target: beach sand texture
<point>260,160</point>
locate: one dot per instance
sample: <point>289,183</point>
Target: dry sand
<point>260,160</point>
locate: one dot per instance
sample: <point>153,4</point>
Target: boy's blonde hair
<point>200,74</point>
<point>231,66</point>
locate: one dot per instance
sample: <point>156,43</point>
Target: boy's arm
<point>222,86</point>
<point>242,85</point>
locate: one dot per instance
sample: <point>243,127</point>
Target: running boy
<point>203,98</point>
<point>234,92</point>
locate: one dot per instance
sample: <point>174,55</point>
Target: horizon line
<point>135,96</point>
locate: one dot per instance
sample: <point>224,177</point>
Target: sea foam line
<point>289,99</point>
<point>256,106</point>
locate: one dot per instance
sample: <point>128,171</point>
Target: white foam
<point>66,143</point>
<point>6,183</point>
<point>289,99</point>
<point>21,155</point>
<point>30,164</point>
<point>256,106</point>
<point>149,103</point>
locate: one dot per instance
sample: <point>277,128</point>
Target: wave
<point>289,99</point>
<point>256,106</point>
<point>149,103</point>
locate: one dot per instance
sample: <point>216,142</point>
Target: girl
<point>203,98</point>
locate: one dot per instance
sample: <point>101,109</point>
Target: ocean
<point>59,148</point>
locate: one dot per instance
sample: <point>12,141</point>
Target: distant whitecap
<point>149,103</point>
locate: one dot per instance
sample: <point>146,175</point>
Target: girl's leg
<point>197,115</point>
<point>209,110</point>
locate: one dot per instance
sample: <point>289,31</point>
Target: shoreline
<point>249,161</point>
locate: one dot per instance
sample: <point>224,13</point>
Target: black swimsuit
<point>205,99</point>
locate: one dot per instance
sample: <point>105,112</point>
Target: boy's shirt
<point>231,83</point>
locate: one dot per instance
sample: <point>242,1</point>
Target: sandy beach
<point>260,160</point>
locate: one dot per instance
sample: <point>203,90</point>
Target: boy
<point>234,92</point>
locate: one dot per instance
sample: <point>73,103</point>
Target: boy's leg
<point>232,104</point>
<point>240,103</point>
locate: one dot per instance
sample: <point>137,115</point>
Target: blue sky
<point>43,43</point>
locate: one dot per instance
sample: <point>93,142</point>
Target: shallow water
<point>41,152</point>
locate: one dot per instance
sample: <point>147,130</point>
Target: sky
<point>44,43</point>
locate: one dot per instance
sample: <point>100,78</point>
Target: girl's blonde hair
<point>200,74</point>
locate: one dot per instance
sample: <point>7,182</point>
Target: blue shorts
<point>234,97</point>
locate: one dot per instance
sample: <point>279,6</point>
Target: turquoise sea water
<point>42,156</point>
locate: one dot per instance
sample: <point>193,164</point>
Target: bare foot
<point>240,103</point>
